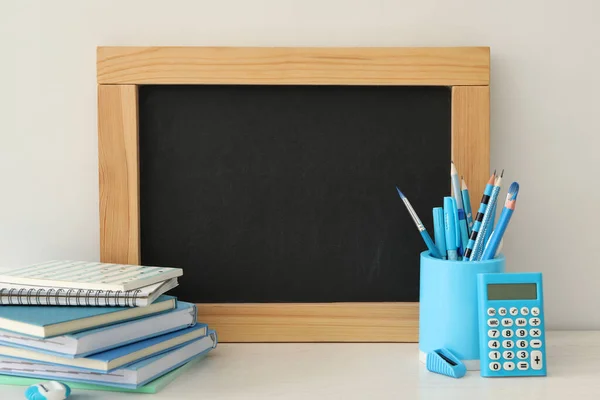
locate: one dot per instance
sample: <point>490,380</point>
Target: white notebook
<point>89,275</point>
<point>24,295</point>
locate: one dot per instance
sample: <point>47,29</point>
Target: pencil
<point>424,234</point>
<point>467,205</point>
<point>509,207</point>
<point>479,217</point>
<point>485,224</point>
<point>463,238</point>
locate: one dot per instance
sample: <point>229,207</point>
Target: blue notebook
<point>132,377</point>
<point>48,321</point>
<point>116,358</point>
<point>102,339</point>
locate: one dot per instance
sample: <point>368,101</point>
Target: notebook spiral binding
<point>69,297</point>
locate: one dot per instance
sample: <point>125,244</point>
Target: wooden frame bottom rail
<point>312,322</point>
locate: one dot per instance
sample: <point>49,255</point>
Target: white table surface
<point>365,371</point>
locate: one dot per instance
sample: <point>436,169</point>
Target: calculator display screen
<point>512,291</point>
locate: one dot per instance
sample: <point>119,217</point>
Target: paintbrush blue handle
<point>433,250</point>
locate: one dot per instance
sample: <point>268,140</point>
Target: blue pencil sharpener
<point>448,312</point>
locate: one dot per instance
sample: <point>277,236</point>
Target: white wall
<point>545,106</point>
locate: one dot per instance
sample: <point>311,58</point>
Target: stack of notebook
<point>97,326</point>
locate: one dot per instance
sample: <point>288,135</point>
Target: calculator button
<point>521,344</point>
<point>521,322</point>
<point>535,311</point>
<point>507,333</point>
<point>536,359</point>
<point>524,311</point>
<point>521,332</point>
<point>493,322</point>
<point>514,311</point>
<point>494,355</point>
<point>508,344</point>
<point>508,355</point>
<point>522,365</point>
<point>537,332</point>
<point>502,311</point>
<point>522,354</point>
<point>509,366</point>
<point>493,333</point>
<point>491,311</point>
<point>534,321</point>
<point>536,343</point>
<point>493,344</point>
<point>507,322</point>
<point>495,366</point>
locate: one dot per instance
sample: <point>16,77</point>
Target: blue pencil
<point>463,237</point>
<point>467,205</point>
<point>509,207</point>
<point>428,241</point>
<point>479,217</point>
<point>485,224</point>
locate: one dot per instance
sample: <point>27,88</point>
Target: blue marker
<point>509,207</point>
<point>450,228</point>
<point>428,241</point>
<point>438,230</point>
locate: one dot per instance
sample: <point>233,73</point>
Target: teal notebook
<point>152,387</point>
<point>48,321</point>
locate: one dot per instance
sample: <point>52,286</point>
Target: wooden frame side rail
<point>121,69</point>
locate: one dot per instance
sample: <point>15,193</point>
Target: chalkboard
<point>282,193</point>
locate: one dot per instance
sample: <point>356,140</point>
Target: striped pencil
<point>487,219</point>
<point>479,217</point>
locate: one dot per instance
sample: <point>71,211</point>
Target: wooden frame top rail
<point>431,66</point>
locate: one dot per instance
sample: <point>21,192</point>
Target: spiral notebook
<point>89,275</point>
<point>21,295</point>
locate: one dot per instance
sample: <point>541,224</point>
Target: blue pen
<point>479,217</point>
<point>467,205</point>
<point>507,211</point>
<point>462,222</point>
<point>438,230</point>
<point>450,228</point>
<point>428,241</point>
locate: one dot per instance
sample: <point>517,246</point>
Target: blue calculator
<point>511,324</point>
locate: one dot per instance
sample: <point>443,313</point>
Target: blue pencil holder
<point>448,306</point>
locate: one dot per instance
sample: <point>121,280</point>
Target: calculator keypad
<point>513,339</point>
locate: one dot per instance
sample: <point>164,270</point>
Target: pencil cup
<point>448,306</point>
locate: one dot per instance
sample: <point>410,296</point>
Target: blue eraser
<point>50,390</point>
<point>442,361</point>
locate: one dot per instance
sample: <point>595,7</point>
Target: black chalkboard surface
<point>287,193</point>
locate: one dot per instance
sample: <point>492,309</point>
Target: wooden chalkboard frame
<point>120,70</point>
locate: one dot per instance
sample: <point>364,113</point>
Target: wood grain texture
<point>443,66</point>
<point>471,137</point>
<point>119,174</point>
<point>314,322</point>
